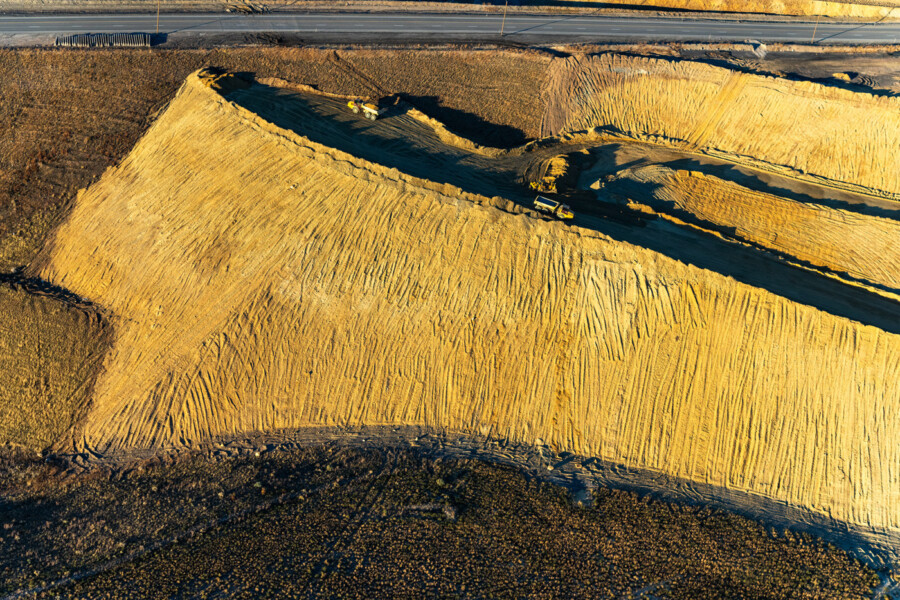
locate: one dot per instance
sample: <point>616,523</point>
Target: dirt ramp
<point>261,281</point>
<point>801,128</point>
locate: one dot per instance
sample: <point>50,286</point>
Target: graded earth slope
<point>857,242</point>
<point>258,280</point>
<point>802,128</point>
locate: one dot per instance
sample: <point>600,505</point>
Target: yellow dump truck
<point>369,110</point>
<point>552,207</point>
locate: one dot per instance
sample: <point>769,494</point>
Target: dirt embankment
<point>50,351</point>
<point>844,236</point>
<point>72,114</point>
<point>330,290</point>
<point>801,128</point>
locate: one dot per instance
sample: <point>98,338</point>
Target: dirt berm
<point>804,129</point>
<point>50,350</point>
<point>844,237</point>
<point>257,280</point>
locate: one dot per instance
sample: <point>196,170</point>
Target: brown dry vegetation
<point>872,9</point>
<point>370,297</point>
<point>863,9</point>
<point>389,524</point>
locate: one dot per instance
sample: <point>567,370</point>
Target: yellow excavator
<point>369,110</point>
<point>553,208</point>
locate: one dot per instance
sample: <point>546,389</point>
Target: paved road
<point>357,26</point>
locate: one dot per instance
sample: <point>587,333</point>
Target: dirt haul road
<point>261,279</point>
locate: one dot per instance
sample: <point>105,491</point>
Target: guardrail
<point>105,40</point>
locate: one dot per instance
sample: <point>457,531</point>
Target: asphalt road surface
<point>557,28</point>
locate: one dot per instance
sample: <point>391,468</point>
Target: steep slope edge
<point>258,281</point>
<point>844,240</point>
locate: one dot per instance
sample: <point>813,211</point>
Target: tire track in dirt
<point>715,111</point>
<point>352,70</point>
<point>799,128</point>
<point>334,547</point>
<point>177,538</point>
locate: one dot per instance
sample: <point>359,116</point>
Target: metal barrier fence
<point>105,40</point>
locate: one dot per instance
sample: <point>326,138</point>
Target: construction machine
<point>553,208</point>
<point>369,110</point>
<point>545,184</point>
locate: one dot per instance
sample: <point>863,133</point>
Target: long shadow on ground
<point>753,267</point>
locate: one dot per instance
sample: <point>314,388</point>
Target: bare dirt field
<point>803,128</point>
<point>358,256</point>
<point>50,349</point>
<point>72,114</point>
<point>875,71</point>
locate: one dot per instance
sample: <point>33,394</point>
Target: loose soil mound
<point>808,128</point>
<point>49,351</point>
<point>70,114</point>
<point>259,280</point>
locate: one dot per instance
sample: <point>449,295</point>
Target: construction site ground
<point>456,127</point>
<point>73,113</point>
